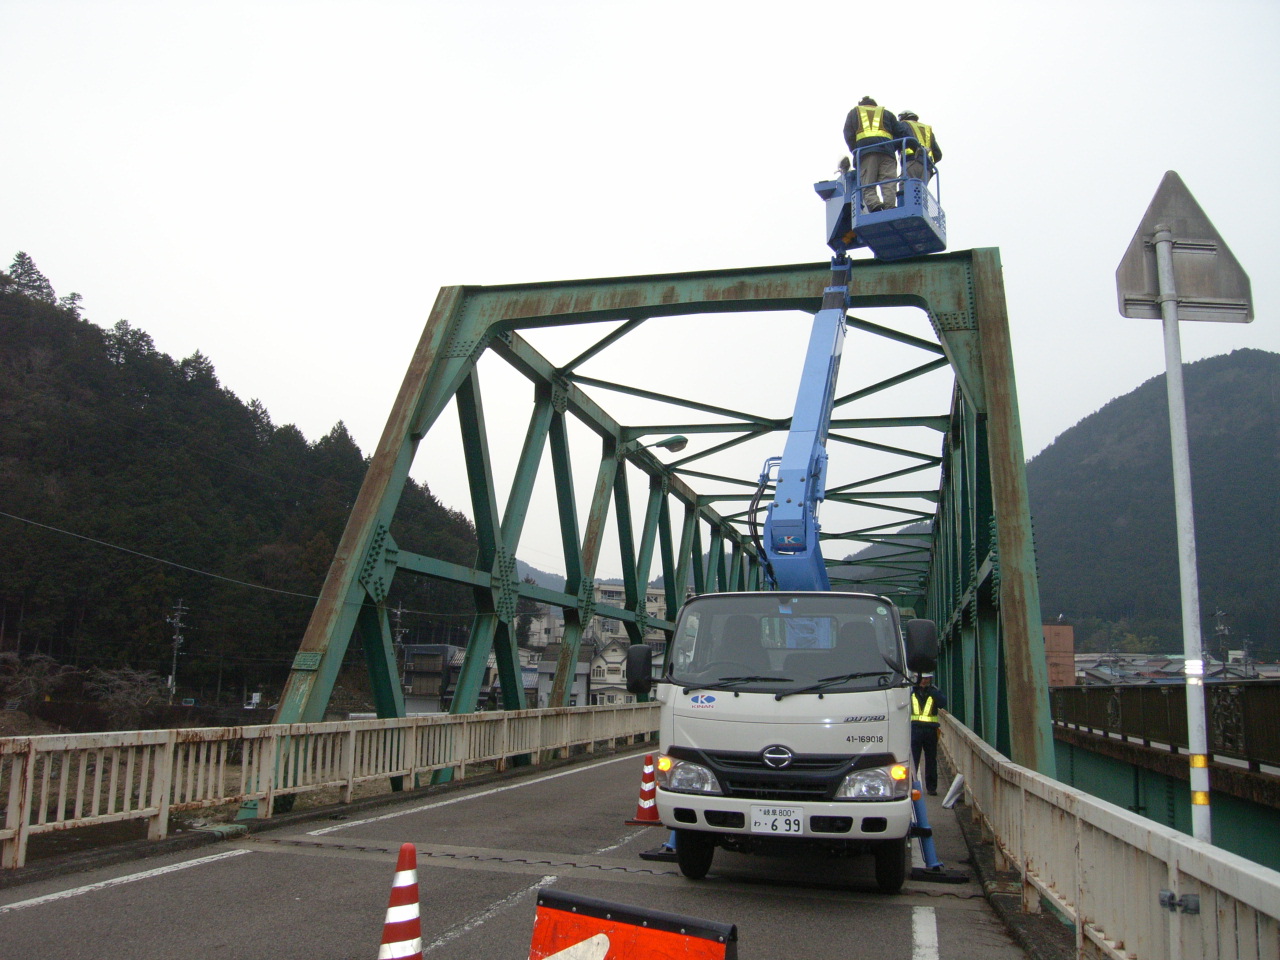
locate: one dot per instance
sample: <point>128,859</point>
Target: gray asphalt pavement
<point>318,890</point>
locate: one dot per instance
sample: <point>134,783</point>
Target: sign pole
<point>1197,739</point>
<point>1176,240</point>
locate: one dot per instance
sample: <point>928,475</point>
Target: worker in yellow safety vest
<point>869,131</point>
<point>926,700</point>
<point>922,133</point>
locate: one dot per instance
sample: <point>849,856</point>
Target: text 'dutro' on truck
<point>786,726</point>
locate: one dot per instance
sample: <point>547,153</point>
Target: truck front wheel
<point>891,865</point>
<point>694,851</point>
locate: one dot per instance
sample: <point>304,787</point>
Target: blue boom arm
<point>915,225</point>
<point>794,560</point>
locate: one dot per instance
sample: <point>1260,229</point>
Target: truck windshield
<point>781,643</point>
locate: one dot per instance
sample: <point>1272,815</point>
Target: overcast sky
<point>285,185</point>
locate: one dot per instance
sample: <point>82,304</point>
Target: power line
<point>194,657</point>
<point>204,573</point>
<point>147,556</point>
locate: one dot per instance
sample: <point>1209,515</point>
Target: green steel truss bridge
<point>961,472</point>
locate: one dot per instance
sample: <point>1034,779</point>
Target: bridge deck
<point>319,889</point>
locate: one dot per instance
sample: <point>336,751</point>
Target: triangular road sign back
<point>1209,281</point>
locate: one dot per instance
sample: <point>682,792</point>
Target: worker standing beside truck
<point>926,699</point>
<point>871,129</point>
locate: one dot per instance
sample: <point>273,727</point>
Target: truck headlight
<point>876,783</point>
<point>683,776</point>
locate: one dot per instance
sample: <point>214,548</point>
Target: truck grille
<point>774,790</point>
<point>809,777</point>
<point>752,763</point>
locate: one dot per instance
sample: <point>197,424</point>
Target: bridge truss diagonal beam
<point>972,570</point>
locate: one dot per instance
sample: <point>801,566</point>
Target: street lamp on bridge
<point>670,444</point>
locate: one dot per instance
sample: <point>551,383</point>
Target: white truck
<point>786,726</point>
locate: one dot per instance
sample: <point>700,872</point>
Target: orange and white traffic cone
<point>647,805</point>
<point>402,930</point>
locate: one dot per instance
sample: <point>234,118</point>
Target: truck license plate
<point>777,820</point>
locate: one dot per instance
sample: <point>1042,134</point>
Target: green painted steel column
<point>672,587</point>
<point>715,562</point>
<point>379,652</point>
<point>984,720</point>
<point>694,557</point>
<point>495,606</point>
<point>475,664</point>
<point>566,667</point>
<point>575,617</point>
<point>1030,726</point>
<point>632,592</point>
<point>333,620</point>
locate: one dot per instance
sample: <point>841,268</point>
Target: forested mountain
<point>552,581</point>
<point>865,571</point>
<point>1102,504</point>
<point>104,437</point>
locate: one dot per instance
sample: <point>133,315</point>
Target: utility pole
<point>1222,635</point>
<point>398,630</point>
<point>176,621</point>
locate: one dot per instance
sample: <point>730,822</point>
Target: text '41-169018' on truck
<point>786,726</point>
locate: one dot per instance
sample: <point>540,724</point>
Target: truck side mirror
<point>922,646</point>
<point>639,669</point>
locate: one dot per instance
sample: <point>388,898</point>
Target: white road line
<point>474,922</point>
<point>467,796</point>
<point>89,888</point>
<point>924,933</point>
<point>483,916</point>
<point>621,841</point>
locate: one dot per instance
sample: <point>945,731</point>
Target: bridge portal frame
<point>980,584</point>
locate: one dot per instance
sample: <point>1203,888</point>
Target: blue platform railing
<point>914,226</point>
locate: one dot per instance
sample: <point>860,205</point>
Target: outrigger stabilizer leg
<point>934,870</point>
<point>664,852</point>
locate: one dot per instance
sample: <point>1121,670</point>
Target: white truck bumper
<point>832,820</point>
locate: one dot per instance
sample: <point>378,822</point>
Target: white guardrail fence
<point>60,782</point>
<point>1133,888</point>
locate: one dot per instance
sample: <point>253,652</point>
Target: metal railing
<point>1239,717</point>
<point>60,782</point>
<point>1134,889</point>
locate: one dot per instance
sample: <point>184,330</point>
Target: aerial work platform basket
<point>916,225</point>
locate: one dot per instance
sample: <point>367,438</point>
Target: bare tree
<point>125,693</point>
<point>25,680</point>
